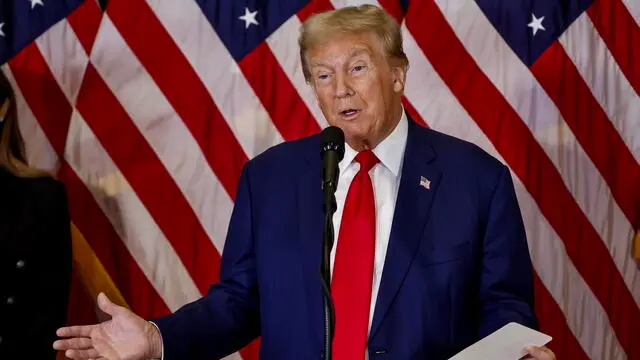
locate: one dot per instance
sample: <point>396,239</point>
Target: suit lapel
<point>310,232</point>
<point>411,213</point>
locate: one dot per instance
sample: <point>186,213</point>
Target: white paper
<point>506,343</point>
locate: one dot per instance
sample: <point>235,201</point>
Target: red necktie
<point>353,268</point>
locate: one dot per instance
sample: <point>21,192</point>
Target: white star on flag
<point>2,30</point>
<point>536,24</point>
<point>249,18</point>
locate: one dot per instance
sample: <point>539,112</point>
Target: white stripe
<point>609,86</point>
<point>585,316</point>
<point>523,92</point>
<point>40,153</point>
<point>434,101</point>
<point>65,56</point>
<point>131,220</point>
<point>284,45</point>
<point>634,9</point>
<point>220,74</point>
<point>163,129</point>
<point>90,161</point>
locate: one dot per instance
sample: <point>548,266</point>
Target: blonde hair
<point>12,151</point>
<point>350,20</point>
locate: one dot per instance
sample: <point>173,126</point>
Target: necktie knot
<point>367,160</point>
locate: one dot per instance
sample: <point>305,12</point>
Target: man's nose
<point>343,86</point>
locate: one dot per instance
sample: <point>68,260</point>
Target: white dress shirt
<point>385,177</point>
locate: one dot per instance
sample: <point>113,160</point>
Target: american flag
<point>147,110</point>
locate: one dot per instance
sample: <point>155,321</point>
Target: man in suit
<point>431,253</point>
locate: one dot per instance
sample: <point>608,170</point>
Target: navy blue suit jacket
<point>457,266</point>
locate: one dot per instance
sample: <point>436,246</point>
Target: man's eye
<point>323,76</point>
<point>358,68</point>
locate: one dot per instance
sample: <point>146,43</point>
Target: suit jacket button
<point>20,264</point>
<point>10,300</point>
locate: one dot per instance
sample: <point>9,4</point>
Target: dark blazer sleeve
<point>227,318</point>
<point>506,281</point>
<point>49,282</point>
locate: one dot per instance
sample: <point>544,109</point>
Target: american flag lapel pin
<point>425,183</point>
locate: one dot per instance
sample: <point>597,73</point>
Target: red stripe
<point>553,322</point>
<point>413,112</point>
<point>514,141</point>
<point>288,112</point>
<point>314,7</point>
<point>150,180</point>
<point>52,110</point>
<point>41,90</point>
<point>169,68</point>
<point>105,242</point>
<point>581,111</point>
<point>393,8</point>
<point>85,21</point>
<point>621,33</point>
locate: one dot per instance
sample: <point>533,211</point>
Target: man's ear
<point>399,74</point>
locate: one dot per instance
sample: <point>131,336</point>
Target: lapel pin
<point>425,183</point>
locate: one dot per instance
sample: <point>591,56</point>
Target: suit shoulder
<point>464,154</point>
<point>286,155</point>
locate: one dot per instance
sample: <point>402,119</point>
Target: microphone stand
<point>329,311</point>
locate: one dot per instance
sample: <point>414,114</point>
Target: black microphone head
<point>332,139</point>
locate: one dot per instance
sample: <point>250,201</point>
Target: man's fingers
<point>82,354</point>
<point>74,343</point>
<point>76,331</point>
<point>540,353</point>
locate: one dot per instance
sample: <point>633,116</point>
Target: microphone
<point>331,152</point>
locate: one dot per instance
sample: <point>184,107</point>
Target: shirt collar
<point>390,151</point>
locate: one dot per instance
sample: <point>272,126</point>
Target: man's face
<point>357,88</point>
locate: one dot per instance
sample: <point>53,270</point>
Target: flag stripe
<point>86,22</point>
<point>619,100</point>
<point>562,82</point>
<point>236,101</point>
<point>40,153</point>
<point>314,7</point>
<point>137,23</point>
<point>563,344</point>
<point>81,206</point>
<point>138,163</point>
<point>394,9</point>
<point>277,94</point>
<point>621,33</point>
<point>524,155</point>
<point>544,120</point>
<point>206,196</point>
<point>40,88</point>
<point>434,100</point>
<point>560,276</point>
<point>283,44</point>
<point>117,200</point>
<point>125,271</point>
<point>633,7</point>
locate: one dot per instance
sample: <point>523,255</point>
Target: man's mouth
<point>349,114</point>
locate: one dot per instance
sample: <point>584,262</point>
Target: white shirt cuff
<point>161,342</point>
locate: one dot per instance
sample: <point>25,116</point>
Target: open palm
<point>125,337</point>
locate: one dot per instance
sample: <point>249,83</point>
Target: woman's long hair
<point>12,152</point>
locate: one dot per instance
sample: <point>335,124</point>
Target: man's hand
<point>125,337</point>
<point>539,353</point>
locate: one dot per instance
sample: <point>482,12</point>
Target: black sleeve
<point>51,283</point>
